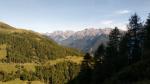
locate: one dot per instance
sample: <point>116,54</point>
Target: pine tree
<point>114,40</point>
<point>147,38</point>
<point>98,74</point>
<point>109,65</point>
<point>112,49</point>
<point>123,51</point>
<point>135,39</point>
<point>86,70</point>
<point>147,27</point>
<point>99,54</point>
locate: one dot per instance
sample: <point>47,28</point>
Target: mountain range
<point>85,40</point>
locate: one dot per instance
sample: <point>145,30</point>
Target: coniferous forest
<point>124,60</point>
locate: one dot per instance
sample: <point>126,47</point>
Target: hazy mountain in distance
<point>59,36</point>
<point>84,40</point>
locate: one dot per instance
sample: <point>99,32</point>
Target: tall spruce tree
<point>113,45</point>
<point>114,40</point>
<point>99,54</point>
<point>135,39</point>
<point>98,75</point>
<point>147,27</point>
<point>110,64</point>
<point>147,38</point>
<point>85,74</point>
<point>123,51</point>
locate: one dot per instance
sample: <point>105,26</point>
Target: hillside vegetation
<point>27,57</point>
<point>18,45</point>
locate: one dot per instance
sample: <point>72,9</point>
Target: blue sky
<point>51,15</point>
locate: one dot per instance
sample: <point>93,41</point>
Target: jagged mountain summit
<point>59,36</point>
<point>84,40</point>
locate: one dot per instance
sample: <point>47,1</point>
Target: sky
<point>53,15</point>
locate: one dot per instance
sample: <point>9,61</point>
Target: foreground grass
<point>12,67</point>
<point>18,81</point>
<point>7,67</point>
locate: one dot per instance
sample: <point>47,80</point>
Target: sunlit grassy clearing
<point>11,67</point>
<point>75,59</point>
<point>3,51</point>
<point>5,67</point>
<point>18,81</point>
<point>36,82</point>
<point>29,66</point>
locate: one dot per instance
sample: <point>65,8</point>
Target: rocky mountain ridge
<point>84,40</point>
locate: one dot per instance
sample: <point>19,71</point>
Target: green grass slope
<point>18,81</point>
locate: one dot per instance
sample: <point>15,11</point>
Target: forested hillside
<point>25,46</point>
<point>28,57</point>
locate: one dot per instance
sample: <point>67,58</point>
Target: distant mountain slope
<point>84,40</point>
<point>18,45</point>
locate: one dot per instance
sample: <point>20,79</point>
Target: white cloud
<point>123,12</point>
<point>122,26</point>
<point>112,24</point>
<point>106,22</point>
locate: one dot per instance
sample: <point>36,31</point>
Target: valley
<point>74,41</point>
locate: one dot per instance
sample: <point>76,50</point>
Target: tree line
<point>59,73</point>
<point>120,60</point>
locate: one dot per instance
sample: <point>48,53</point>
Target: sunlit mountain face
<point>84,40</point>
